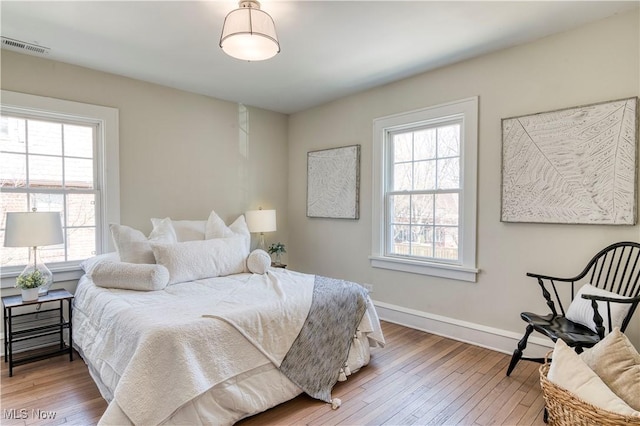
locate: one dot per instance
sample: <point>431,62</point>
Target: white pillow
<point>185,230</point>
<point>193,260</point>
<point>133,247</point>
<point>216,228</point>
<point>163,230</point>
<point>130,276</point>
<point>580,310</point>
<point>258,261</point>
<point>569,371</point>
<point>87,265</point>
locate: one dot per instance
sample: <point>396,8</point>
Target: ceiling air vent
<point>23,46</point>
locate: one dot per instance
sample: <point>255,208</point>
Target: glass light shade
<point>249,33</point>
<point>33,229</point>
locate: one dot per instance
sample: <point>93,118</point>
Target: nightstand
<point>278,265</point>
<point>41,329</point>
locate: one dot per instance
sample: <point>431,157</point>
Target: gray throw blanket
<point>321,349</point>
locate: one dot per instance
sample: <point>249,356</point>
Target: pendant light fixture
<point>249,33</point>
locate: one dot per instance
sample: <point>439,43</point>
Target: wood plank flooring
<point>417,379</point>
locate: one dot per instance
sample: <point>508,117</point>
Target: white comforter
<point>154,352</point>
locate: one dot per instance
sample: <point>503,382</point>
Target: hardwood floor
<point>418,378</point>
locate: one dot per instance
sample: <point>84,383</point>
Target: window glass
<point>36,172</point>
<point>426,163</point>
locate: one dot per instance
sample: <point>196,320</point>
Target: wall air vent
<point>24,47</point>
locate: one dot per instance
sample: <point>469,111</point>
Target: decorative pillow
<point>258,261</point>
<point>193,260</point>
<point>132,246</point>
<point>130,276</point>
<point>580,310</point>
<point>87,265</point>
<point>163,230</point>
<point>570,372</point>
<point>216,228</point>
<point>185,230</point>
<point>617,363</point>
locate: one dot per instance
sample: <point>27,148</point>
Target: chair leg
<point>517,354</point>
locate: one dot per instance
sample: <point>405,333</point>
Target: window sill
<point>67,273</point>
<point>454,272</point>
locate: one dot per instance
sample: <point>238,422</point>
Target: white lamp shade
<point>31,229</point>
<point>261,220</point>
<point>249,33</point>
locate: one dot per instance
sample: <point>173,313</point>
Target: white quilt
<point>161,350</point>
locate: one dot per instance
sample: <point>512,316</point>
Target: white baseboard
<point>476,334</point>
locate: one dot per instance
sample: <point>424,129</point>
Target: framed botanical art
<point>576,165</point>
<point>333,183</point>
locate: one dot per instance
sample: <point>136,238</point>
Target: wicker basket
<point>564,408</point>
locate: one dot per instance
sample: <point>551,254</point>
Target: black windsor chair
<point>615,268</point>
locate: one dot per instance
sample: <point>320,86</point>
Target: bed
<point>214,350</point>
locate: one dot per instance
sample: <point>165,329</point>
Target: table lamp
<point>261,221</point>
<point>34,229</point>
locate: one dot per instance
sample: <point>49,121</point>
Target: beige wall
<point>181,154</point>
<point>595,63</point>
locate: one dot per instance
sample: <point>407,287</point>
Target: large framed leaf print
<point>576,165</point>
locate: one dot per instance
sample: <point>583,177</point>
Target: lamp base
<point>35,275</point>
<point>261,245</point>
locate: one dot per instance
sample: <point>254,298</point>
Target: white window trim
<point>108,164</point>
<point>466,270</point>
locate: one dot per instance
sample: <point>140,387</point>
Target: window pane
<point>402,147</point>
<point>45,171</point>
<point>13,170</point>
<point>78,173</point>
<point>400,236</point>
<point>44,137</point>
<point>449,173</point>
<point>50,254</point>
<point>12,202</point>
<point>446,209</point>
<point>402,177</point>
<point>48,203</point>
<point>424,146</point>
<point>424,175</point>
<point>12,134</point>
<point>422,209</point>
<point>399,208</point>
<point>422,241</point>
<point>81,210</point>
<point>11,256</point>
<point>449,141</point>
<point>81,243</point>
<point>446,243</point>
<point>78,141</point>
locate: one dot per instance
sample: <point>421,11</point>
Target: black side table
<point>33,330</point>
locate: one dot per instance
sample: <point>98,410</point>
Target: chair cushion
<point>580,310</point>
<point>561,328</point>
<point>617,363</point>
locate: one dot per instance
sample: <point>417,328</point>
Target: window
<point>53,157</point>
<point>424,206</point>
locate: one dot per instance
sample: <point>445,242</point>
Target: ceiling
<point>329,48</point>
